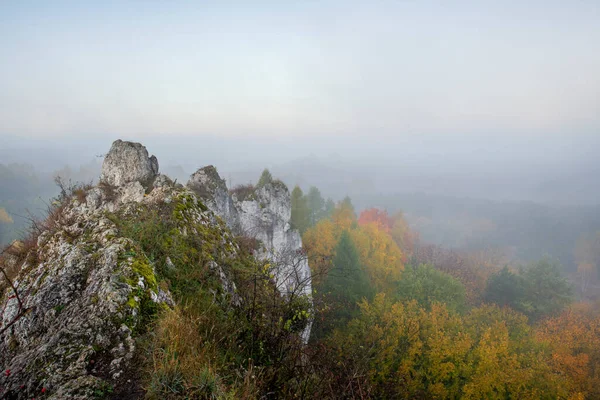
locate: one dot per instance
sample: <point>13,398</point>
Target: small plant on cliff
<point>243,192</point>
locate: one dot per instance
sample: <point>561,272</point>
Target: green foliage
<point>316,205</point>
<point>346,284</point>
<point>300,211</point>
<point>538,291</point>
<point>329,208</point>
<point>427,285</point>
<point>201,348</point>
<point>506,288</point>
<point>265,179</point>
<point>309,209</point>
<point>548,292</point>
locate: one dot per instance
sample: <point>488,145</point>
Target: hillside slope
<point>97,280</point>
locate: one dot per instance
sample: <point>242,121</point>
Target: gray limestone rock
<point>85,289</point>
<point>265,215</point>
<point>128,162</point>
<point>208,185</point>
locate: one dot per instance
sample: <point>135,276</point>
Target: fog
<point>554,170</point>
<point>450,113</point>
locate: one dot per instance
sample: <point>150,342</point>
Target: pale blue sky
<point>364,70</point>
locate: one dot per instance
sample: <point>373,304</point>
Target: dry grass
<point>182,360</point>
<point>242,192</point>
<point>24,251</point>
<point>109,191</point>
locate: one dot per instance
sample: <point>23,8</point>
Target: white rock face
<point>264,215</point>
<point>82,294</point>
<point>85,286</point>
<point>128,162</point>
<point>209,186</point>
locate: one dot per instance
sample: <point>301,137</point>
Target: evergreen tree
<point>538,291</point>
<point>300,212</point>
<point>345,285</point>
<point>329,208</point>
<point>506,288</point>
<point>265,178</point>
<point>316,205</point>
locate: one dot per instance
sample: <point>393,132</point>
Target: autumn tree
<point>574,337</point>
<point>378,217</point>
<point>404,237</point>
<point>408,351</point>
<point>381,256</point>
<point>377,251</point>
<point>464,267</point>
<point>319,243</point>
<point>343,216</point>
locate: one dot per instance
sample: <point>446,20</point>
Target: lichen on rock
<point>128,162</point>
<point>78,333</point>
<point>117,255</point>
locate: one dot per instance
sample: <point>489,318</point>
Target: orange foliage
<point>396,226</point>
<point>574,337</point>
<point>377,217</point>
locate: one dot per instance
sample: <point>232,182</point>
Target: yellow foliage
<point>380,255</point>
<point>319,243</point>
<point>402,234</point>
<point>415,353</point>
<point>378,252</point>
<point>574,337</point>
<point>4,217</point>
<point>343,217</point>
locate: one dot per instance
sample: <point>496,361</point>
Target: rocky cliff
<point>262,212</point>
<point>88,278</point>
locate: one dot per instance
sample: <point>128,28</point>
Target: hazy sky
<point>365,70</point>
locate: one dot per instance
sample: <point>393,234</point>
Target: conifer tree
<point>299,219</point>
<point>345,285</point>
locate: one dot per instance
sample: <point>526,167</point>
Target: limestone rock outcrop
<point>128,162</point>
<point>262,213</point>
<point>209,186</point>
<point>87,288</point>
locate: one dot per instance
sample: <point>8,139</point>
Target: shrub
<point>109,191</point>
<point>243,192</point>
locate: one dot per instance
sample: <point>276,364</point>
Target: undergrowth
<point>206,347</point>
